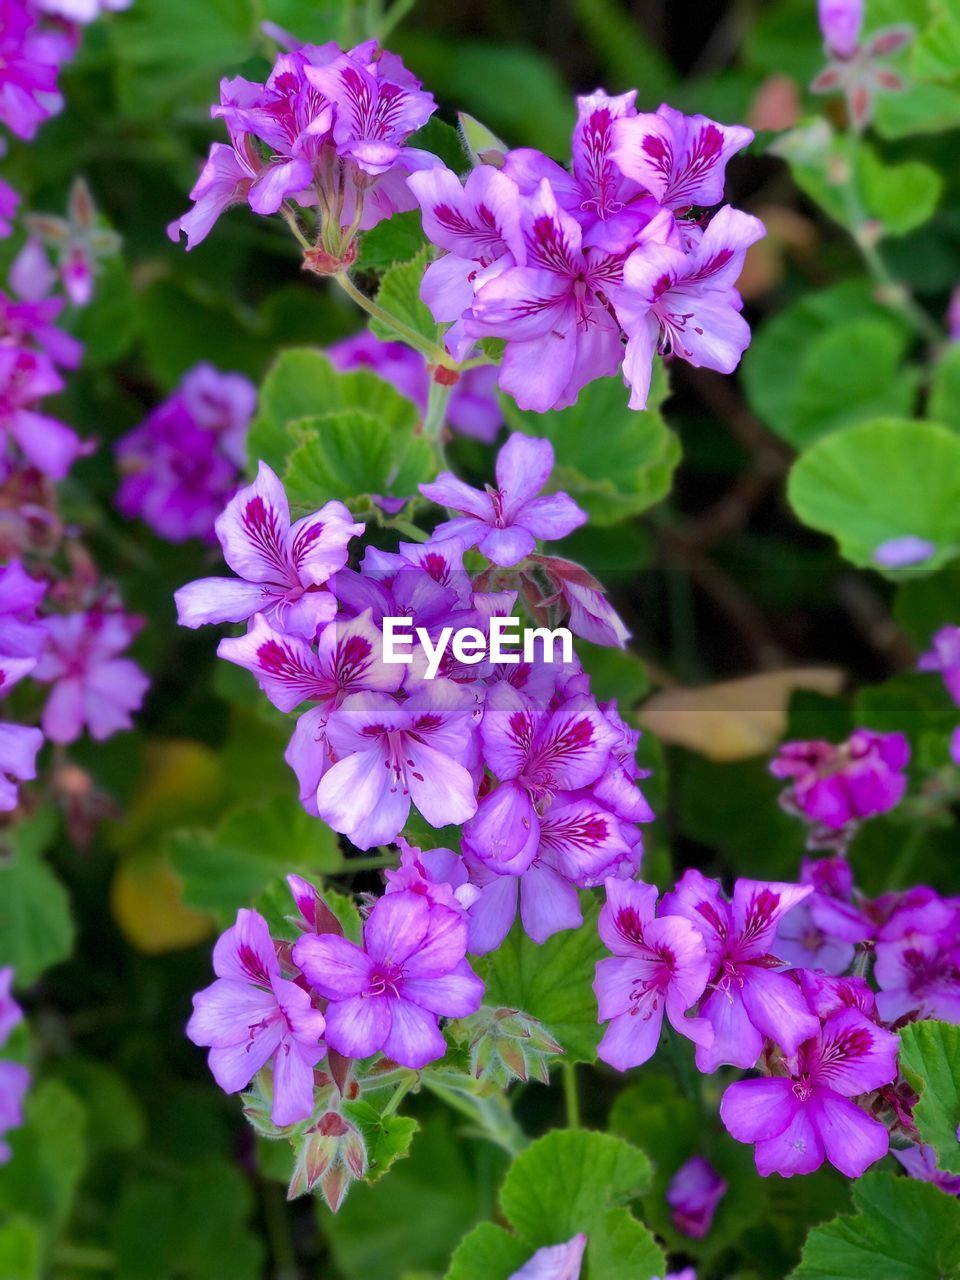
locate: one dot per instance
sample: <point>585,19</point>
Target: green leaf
<point>115,1118</point>
<point>880,480</point>
<point>227,868</point>
<point>902,196</point>
<point>396,239</point>
<point>487,1251</point>
<point>614,461</point>
<point>624,1249</point>
<point>388,1138</point>
<point>399,294</point>
<point>19,1250</point>
<point>49,1155</point>
<point>903,1230</point>
<point>935,54</point>
<point>944,403</point>
<point>782,356</point>
<point>553,982</point>
<point>351,455</point>
<point>36,927</point>
<point>930,1059</point>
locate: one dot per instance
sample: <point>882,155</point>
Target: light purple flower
<point>26,377</point>
<point>799,1120</point>
<point>82,11</point>
<point>835,787</point>
<point>900,553</point>
<point>390,754</point>
<point>93,687</point>
<point>749,999</point>
<point>554,1261</point>
<point>944,656</point>
<point>280,567</point>
<point>660,965</point>
<point>683,303</point>
<point>19,746</point>
<point>920,1161</point>
<point>840,23</point>
<point>386,996</point>
<point>9,200</point>
<point>506,522</point>
<point>22,633</point>
<point>10,1012</point>
<point>919,973</point>
<point>14,1082</point>
<point>681,160</point>
<point>252,1015</point>
<point>535,754</point>
<point>694,1192</point>
<point>440,875</point>
<point>805,936</point>
<point>858,68</point>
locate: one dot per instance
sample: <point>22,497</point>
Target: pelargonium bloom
<point>834,787</point>
<point>555,1261</point>
<point>920,1161</point>
<point>919,973</point>
<point>252,1015</point>
<point>660,965</point>
<point>281,567</point>
<point>26,377</point>
<point>93,686</point>
<point>944,656</point>
<point>749,998</point>
<point>389,754</point>
<point>806,936</point>
<point>801,1119</point>
<point>14,1078</point>
<point>19,745</point>
<point>22,633</point>
<point>507,521</point>
<point>856,66</point>
<point>387,995</point>
<point>694,1192</point>
<point>9,201</point>
<point>31,63</point>
<point>840,23</point>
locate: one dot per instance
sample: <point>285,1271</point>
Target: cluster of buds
<point>506,1045</point>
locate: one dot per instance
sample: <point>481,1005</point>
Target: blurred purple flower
<point>693,1194</point>
<point>554,1262</point>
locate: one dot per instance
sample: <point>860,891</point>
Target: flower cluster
<point>77,244</point>
<point>472,409</point>
<point>944,656</point>
<point>182,464</point>
<point>326,134</point>
<point>857,67</point>
<point>587,272</point>
<point>835,788</point>
<point>14,1078</point>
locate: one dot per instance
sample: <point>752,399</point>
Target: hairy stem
<point>434,354</point>
<point>571,1095</point>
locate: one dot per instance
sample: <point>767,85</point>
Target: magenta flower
<point>799,1120</point>
<point>93,687</point>
<point>554,1262</point>
<point>536,754</point>
<point>280,567</point>
<point>659,966</point>
<point>856,67</point>
<point>22,633</point>
<point>27,377</point>
<point>251,1016</point>
<point>440,875</point>
<point>749,999</point>
<point>390,754</point>
<point>386,996</point>
<point>507,521</point>
<point>19,746</point>
<point>694,1192</point>
<point>9,201</point>
<point>683,303</point>
<point>919,973</point>
<point>30,62</point>
<point>681,160</point>
<point>944,656</point>
<point>920,1161</point>
<point>805,936</point>
<point>836,787</point>
<point>840,23</point>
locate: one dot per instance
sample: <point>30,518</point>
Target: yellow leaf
<point>146,899</point>
<point>181,782</point>
<point>735,719</point>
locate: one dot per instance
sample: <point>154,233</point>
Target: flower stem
<point>369,864</point>
<point>439,398</point>
<point>435,354</point>
<point>279,1234</point>
<point>899,872</point>
<point>571,1095</point>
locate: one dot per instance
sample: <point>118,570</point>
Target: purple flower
<point>18,760</point>
<point>181,465</point>
<point>554,1262</point>
<point>836,787</point>
<point>30,62</point>
<point>840,23</point>
<point>82,11</point>
<point>14,1082</point>
<point>92,686</point>
<point>535,754</point>
<point>900,553</point>
<point>280,567</point>
<point>386,996</point>
<point>507,521</point>
<point>9,200</point>
<point>944,656</point>
<point>919,973</point>
<point>251,1016</point>
<point>694,1192</point>
<point>659,965</point>
<point>440,875</point>
<point>683,302</point>
<point>22,634</point>
<point>26,377</point>
<point>681,160</point>
<point>805,936</point>
<point>920,1161</point>
<point>799,1120</point>
<point>749,999</point>
<point>389,754</point>
<point>472,409</point>
<point>10,1012</point>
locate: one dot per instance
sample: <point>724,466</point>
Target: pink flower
<point>251,1016</point>
<point>799,1120</point>
<point>840,23</point>
<point>27,377</point>
<point>507,521</point>
<point>92,686</point>
<point>280,566</point>
<point>387,995</point>
<point>19,746</point>
<point>694,1192</point>
<point>660,965</point>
